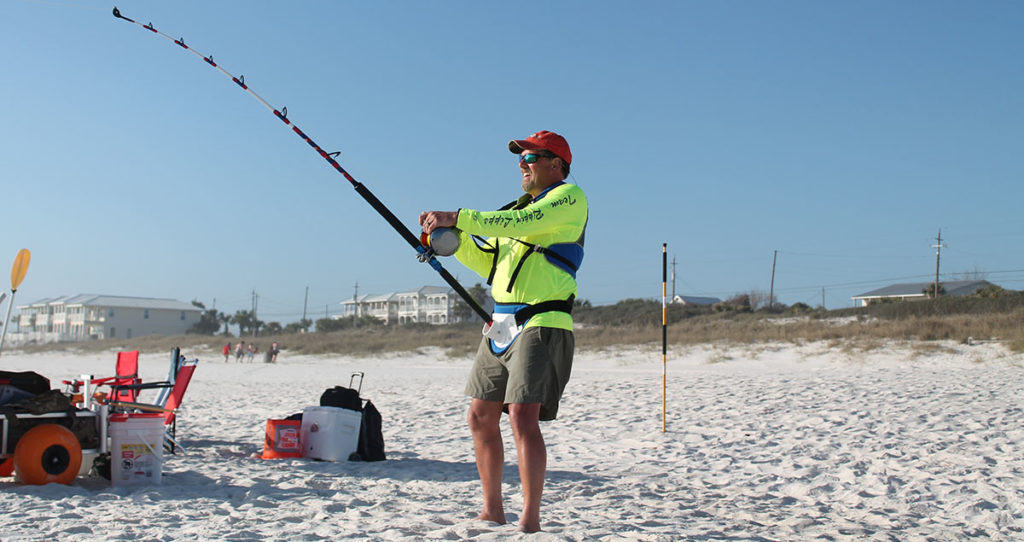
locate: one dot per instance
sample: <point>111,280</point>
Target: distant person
<point>273,352</point>
<point>227,352</point>
<point>251,353</point>
<point>530,249</point>
<point>239,351</point>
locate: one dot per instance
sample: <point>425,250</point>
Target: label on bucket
<point>287,440</point>
<point>137,460</point>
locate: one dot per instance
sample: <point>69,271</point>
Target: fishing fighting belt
<point>524,312</point>
<point>509,318</point>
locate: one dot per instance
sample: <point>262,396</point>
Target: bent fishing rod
<point>425,254</point>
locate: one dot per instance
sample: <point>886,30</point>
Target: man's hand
<point>431,220</point>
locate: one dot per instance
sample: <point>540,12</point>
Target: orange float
<point>6,466</point>
<point>47,453</point>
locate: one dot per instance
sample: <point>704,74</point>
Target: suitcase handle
<point>353,377</point>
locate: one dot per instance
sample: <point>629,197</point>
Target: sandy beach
<point>763,442</point>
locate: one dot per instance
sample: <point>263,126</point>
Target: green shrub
<point>635,312</point>
<point>798,308</point>
<point>992,290</point>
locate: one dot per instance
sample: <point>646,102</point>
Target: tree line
<point>214,322</point>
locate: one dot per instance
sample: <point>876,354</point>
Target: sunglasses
<point>532,157</point>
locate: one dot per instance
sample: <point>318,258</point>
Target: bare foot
<point>532,527</point>
<point>498,517</point>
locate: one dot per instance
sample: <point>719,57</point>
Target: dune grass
<point>842,328</point>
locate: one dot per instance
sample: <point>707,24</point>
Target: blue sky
<point>843,135</point>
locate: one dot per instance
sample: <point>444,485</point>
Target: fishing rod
<point>424,253</point>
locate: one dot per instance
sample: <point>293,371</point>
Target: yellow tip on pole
<point>18,271</point>
<point>19,268</point>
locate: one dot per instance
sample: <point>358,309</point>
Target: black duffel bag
<point>341,397</point>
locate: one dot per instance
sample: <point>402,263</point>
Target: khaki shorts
<point>535,369</point>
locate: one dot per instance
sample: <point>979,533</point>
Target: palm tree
<point>226,320</point>
<point>246,321</point>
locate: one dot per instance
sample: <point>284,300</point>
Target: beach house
<point>916,290</point>
<point>428,304</point>
<point>88,316</point>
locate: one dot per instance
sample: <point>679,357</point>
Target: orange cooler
<point>282,440</point>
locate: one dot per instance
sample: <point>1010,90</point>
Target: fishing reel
<point>440,242</point>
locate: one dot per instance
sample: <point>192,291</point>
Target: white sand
<point>778,443</point>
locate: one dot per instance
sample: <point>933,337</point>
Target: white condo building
<point>87,316</point>
<point>429,304</point>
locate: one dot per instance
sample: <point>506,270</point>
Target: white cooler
<point>330,433</point>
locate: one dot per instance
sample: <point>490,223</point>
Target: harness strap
<point>552,254</point>
<point>518,203</point>
<point>521,201</point>
<point>483,246</point>
<point>555,305</point>
<point>533,248</point>
<point>515,273</point>
<point>494,267</point>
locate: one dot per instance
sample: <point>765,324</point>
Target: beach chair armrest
<point>143,386</point>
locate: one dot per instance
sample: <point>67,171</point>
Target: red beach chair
<point>174,401</point>
<point>126,371</point>
<point>170,397</point>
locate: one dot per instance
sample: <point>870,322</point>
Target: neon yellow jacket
<point>559,215</point>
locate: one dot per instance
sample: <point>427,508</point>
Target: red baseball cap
<point>543,140</point>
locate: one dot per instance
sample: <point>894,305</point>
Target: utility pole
<point>255,303</point>
<point>938,246</point>
<point>822,298</point>
<point>771,285</point>
<point>355,304</point>
<point>305,302</point>
<point>673,278</point>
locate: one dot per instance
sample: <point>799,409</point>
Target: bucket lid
<point>125,416</point>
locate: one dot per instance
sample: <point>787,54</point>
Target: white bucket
<point>88,458</point>
<point>330,433</point>
<point>136,449</point>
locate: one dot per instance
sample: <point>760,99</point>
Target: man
<point>529,251</point>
